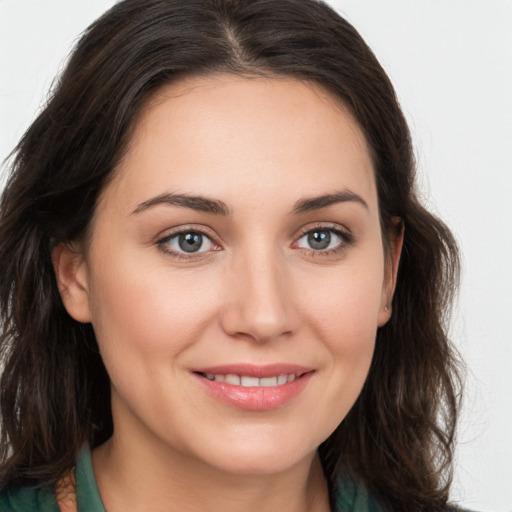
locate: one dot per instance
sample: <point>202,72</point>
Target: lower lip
<point>257,398</point>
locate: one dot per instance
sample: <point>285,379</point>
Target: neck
<point>134,477</point>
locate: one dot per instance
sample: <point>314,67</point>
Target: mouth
<point>255,388</point>
<point>248,381</point>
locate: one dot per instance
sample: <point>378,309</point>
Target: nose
<point>259,305</point>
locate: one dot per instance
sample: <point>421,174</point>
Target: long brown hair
<point>398,437</point>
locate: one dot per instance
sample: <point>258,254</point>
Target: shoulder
<point>352,496</point>
<point>23,499</point>
<point>35,499</point>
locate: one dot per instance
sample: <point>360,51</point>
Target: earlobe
<point>72,280</point>
<point>391,271</point>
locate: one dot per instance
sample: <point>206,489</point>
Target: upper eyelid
<point>321,226</point>
<point>169,233</point>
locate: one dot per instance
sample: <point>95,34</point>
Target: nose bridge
<point>260,301</point>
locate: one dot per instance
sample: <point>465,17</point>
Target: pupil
<point>319,239</point>
<point>190,242</point>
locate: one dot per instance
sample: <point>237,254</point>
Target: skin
<point>257,293</point>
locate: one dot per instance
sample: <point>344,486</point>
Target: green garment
<point>348,497</point>
<point>33,499</point>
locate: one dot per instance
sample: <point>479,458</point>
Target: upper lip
<point>253,370</point>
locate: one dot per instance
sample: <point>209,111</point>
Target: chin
<point>263,464</point>
<point>260,456</point>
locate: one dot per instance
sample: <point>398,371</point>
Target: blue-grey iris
<point>319,239</point>
<point>190,242</point>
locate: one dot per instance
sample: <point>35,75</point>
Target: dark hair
<point>398,437</point>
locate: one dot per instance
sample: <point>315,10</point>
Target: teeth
<point>268,381</point>
<point>232,379</point>
<point>251,382</point>
<point>282,379</point>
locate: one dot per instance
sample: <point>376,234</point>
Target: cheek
<point>347,302</point>
<point>344,314</point>
<point>346,326</point>
<point>147,311</point>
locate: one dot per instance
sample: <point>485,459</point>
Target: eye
<point>187,242</point>
<point>323,239</point>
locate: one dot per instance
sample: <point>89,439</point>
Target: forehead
<point>217,134</point>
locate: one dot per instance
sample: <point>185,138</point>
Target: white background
<point>451,63</point>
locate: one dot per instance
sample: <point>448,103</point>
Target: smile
<point>248,381</point>
<point>254,387</point>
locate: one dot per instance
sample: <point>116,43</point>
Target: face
<point>235,275</point>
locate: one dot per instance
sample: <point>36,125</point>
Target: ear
<point>72,280</point>
<point>392,260</point>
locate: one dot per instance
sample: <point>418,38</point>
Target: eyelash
<point>163,243</point>
<point>346,239</point>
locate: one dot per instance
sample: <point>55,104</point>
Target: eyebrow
<point>216,207</point>
<point>316,203</point>
<point>198,203</point>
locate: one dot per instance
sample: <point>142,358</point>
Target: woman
<point>216,274</point>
